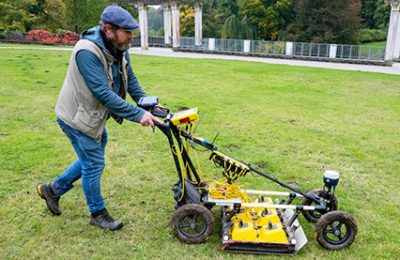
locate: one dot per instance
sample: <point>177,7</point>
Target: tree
<point>16,15</point>
<point>187,20</point>
<point>367,13</point>
<point>375,14</point>
<point>232,28</point>
<point>211,27</point>
<point>326,21</point>
<point>248,30</point>
<point>268,17</point>
<point>50,14</point>
<point>83,14</point>
<point>227,18</point>
<point>155,18</point>
<point>382,15</point>
<point>128,5</point>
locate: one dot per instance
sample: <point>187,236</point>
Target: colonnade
<point>171,24</point>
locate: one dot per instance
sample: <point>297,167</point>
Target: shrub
<point>61,37</point>
<point>371,35</point>
<point>67,37</point>
<point>40,36</point>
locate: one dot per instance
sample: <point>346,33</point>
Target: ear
<point>108,28</point>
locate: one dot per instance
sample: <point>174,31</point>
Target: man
<point>98,79</point>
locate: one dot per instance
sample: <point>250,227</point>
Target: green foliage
<point>382,15</point>
<point>371,35</point>
<point>15,15</point>
<point>248,31</point>
<point>326,21</point>
<point>375,14</point>
<point>229,7</point>
<point>211,26</point>
<point>232,28</point>
<point>187,20</point>
<point>83,14</point>
<point>268,16</point>
<point>26,15</point>
<point>226,9</point>
<point>30,14</point>
<point>126,4</point>
<point>155,18</point>
<point>367,13</point>
<point>300,20</point>
<point>51,15</point>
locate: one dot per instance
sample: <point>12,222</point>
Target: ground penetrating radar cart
<point>252,221</point>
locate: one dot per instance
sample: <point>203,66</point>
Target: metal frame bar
<point>234,203</point>
<point>272,193</point>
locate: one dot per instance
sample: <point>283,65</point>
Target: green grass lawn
<point>378,44</point>
<point>297,121</point>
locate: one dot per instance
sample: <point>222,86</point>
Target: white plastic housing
<point>333,175</point>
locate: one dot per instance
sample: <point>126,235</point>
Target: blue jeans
<point>89,166</point>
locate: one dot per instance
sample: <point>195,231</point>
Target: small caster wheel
<point>336,230</point>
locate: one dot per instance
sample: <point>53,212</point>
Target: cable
<point>179,155</point>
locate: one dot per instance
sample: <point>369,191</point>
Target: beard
<point>121,46</point>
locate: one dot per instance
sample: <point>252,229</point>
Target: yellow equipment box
<point>258,225</point>
<point>185,117</point>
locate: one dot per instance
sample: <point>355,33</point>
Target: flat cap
<point>119,17</point>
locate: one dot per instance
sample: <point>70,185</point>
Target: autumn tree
<point>187,20</point>
<point>17,15</point>
<point>269,18</point>
<point>50,14</point>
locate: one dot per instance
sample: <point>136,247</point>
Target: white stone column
<point>198,24</point>
<point>396,51</point>
<point>167,24</point>
<point>144,36</point>
<point>176,33</point>
<point>392,40</point>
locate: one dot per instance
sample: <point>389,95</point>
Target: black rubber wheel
<point>336,230</point>
<point>193,223</point>
<point>314,215</point>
